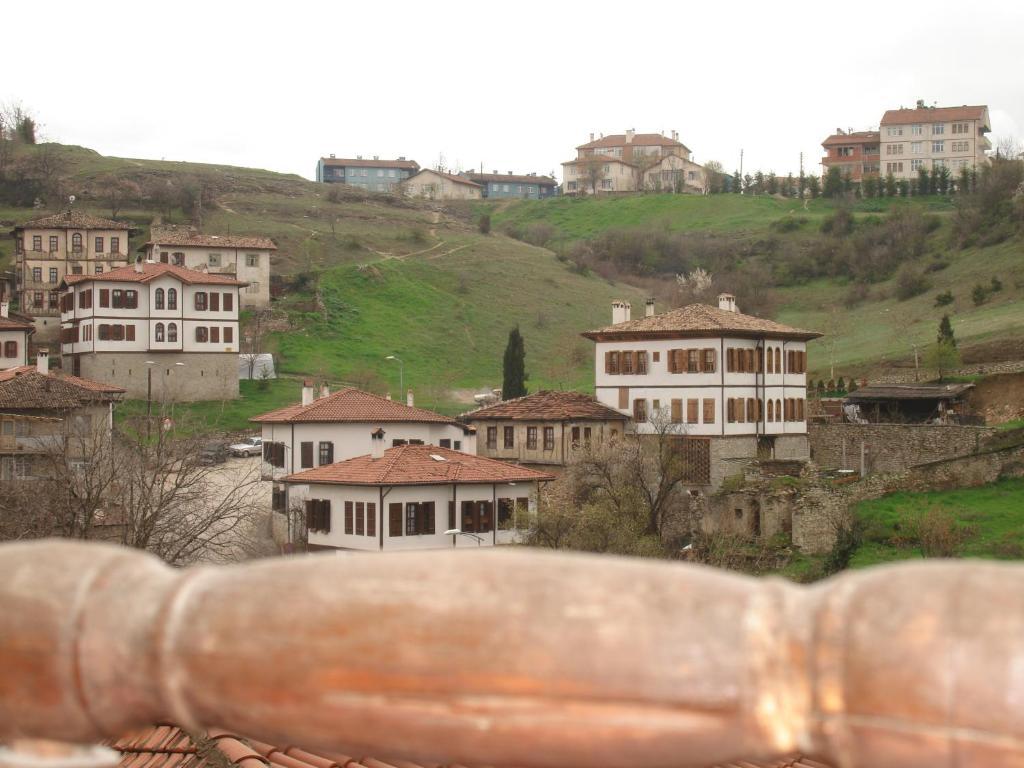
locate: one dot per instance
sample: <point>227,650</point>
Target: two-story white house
<point>733,386</point>
<point>14,332</point>
<point>415,497</point>
<point>244,258</point>
<point>160,331</point>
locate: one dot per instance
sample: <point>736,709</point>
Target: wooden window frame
<point>549,438</point>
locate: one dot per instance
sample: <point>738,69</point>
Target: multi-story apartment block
<point>545,428</point>
<point>245,258</point>
<point>160,331</point>
<point>501,185</point>
<point>15,330</point>
<point>374,175</point>
<point>924,138</point>
<point>732,386</point>
<point>68,243</point>
<point>437,185</point>
<point>630,161</point>
<point>855,153</point>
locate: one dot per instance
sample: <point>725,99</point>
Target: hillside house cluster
<point>910,140</point>
<point>633,162</point>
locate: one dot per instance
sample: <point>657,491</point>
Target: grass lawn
<point>994,514</point>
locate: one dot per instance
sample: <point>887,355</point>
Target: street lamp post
<point>401,374</point>
<point>149,395</point>
<point>453,532</point>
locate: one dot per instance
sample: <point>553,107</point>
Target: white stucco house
<point>14,333</point>
<point>733,386</point>
<point>414,497</point>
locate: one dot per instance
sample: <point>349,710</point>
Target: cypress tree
<point>946,332</point>
<point>514,374</point>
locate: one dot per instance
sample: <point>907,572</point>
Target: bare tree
<point>593,171</point>
<point>116,192</point>
<point>254,339</point>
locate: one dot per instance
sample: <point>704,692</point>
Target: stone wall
<point>203,376</point>
<point>910,376</point>
<point>730,456</point>
<point>891,447</point>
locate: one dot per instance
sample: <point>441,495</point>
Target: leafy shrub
<point>538,233</point>
<point>910,282</point>
<point>839,223</point>
<point>936,266</point>
<point>484,224</point>
<point>789,224</point>
<point>996,286</point>
<point>939,533</point>
<point>944,299</point>
<point>848,541</point>
<point>979,294</point>
<point>856,294</point>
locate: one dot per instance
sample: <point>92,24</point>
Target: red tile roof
<point>856,137</point>
<point>934,115</point>
<point>196,240</point>
<point>449,176</point>
<point>417,465</point>
<point>16,322</point>
<point>352,405</point>
<point>364,163</point>
<point>601,158</point>
<point>151,271</point>
<point>72,220</point>
<point>639,140</point>
<point>510,177</point>
<point>699,320</point>
<point>168,746</point>
<point>25,388</point>
<point>547,406</point>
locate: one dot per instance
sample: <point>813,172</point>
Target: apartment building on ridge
<point>630,162</point>
<point>370,175</point>
<point>429,184</point>
<point>855,153</point>
<point>509,185</point>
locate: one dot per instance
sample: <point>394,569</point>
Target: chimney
<point>377,443</point>
<point>5,309</point>
<point>387,396</point>
<point>629,136</point>
<point>43,361</point>
<point>494,171</point>
<point>325,389</point>
<point>675,135</point>
<point>307,392</point>
<point>591,136</point>
<point>649,310</point>
<point>920,103</point>
<point>408,398</point>
<point>620,311</point>
<point>727,302</point>
<point>376,157</point>
<point>332,156</point>
<point>138,264</point>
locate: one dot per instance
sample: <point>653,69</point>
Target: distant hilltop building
<point>632,162</point>
<point>511,185</point>
<point>370,175</point>
<point>910,140</point>
<point>429,184</point>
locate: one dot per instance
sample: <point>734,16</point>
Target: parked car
<point>250,446</point>
<point>213,453</point>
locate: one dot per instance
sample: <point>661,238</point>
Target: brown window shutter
<point>486,516</point>
<point>310,522</point>
<point>607,362</point>
<point>709,410</point>
<point>395,520</point>
<point>623,397</point>
<point>360,518</point>
<point>371,518</point>
<point>325,522</point>
<point>638,367</point>
<point>469,516</point>
<point>800,409</point>
<point>229,302</point>
<point>670,360</point>
<point>427,513</point>
<point>348,517</point>
<point>307,455</point>
<point>759,360</point>
<point>104,297</point>
<point>692,410</point>
<point>677,410</point>
<point>730,358</point>
<point>750,361</point>
<point>451,516</point>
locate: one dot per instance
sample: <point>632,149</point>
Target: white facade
<point>249,265</point>
<point>519,499</point>
<point>349,439</point>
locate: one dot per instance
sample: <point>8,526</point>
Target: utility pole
<point>740,179</point>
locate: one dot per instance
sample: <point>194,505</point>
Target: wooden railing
<point>518,658</point>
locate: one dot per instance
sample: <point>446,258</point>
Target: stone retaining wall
<point>891,447</point>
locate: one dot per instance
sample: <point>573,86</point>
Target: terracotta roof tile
<point>547,406</point>
<point>360,162</point>
<point>698,320</point>
<point>196,240</point>
<point>353,405</point>
<point>151,271</point>
<point>934,115</point>
<point>857,137</point>
<point>16,322</point>
<point>449,176</point>
<point>910,392</point>
<point>417,465</point>
<point>511,177</point>
<point>72,220</point>
<point>25,388</point>
<point>171,747</point>
<point>601,158</point>
<point>639,140</point>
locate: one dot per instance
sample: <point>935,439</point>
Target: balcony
<point>29,443</point>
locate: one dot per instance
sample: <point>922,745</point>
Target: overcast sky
<point>511,86</point>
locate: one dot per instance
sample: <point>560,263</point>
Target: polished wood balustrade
<point>518,658</point>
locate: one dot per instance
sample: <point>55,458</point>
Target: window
<point>158,332</point>
<point>549,438</point>
<point>575,437</point>
<point>54,243</point>
<point>172,332</point>
<point>76,269</point>
<point>229,334</point>
<point>252,259</point>
<point>894,131</point>
<point>215,302</point>
<point>611,362</point>
<point>778,410</point>
<point>178,258</point>
<point>531,438</point>
<point>104,297</point>
<point>709,410</point>
<point>326,453</point>
<point>124,299</point>
<point>916,148</point>
<point>938,128</point>
<point>172,298</point>
<point>306,455</point>
<point>916,165</point>
<point>273,454</point>
<point>677,411</point>
<point>692,410</point>
<point>37,299</point>
<point>960,128</point>
<point>894,149</point>
<point>37,242</point>
<point>693,361</point>
<point>53,275</point>
<point>213,259</point>
<point>98,269</point>
<point>709,361</point>
<point>98,245</point>
<point>85,299</point>
<point>419,518</point>
<point>916,130</point>
<point>771,410</point>
<point>229,302</point>
<point>509,437</point>
<point>37,274</point>
<point>115,245</point>
<point>894,167</point>
<point>215,335</point>
<point>641,363</point>
<point>938,147</point>
<point>606,183</point>
<point>200,301</point>
<point>158,298</point>
<point>202,334</point>
<point>492,437</point>
<point>10,349</point>
<point>318,515</point>
<point>626,362</point>
<point>639,411</point>
<point>54,298</point>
